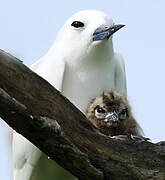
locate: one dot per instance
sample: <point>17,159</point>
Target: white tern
<point>81,64</point>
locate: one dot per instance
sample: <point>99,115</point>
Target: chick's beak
<point>112,117</point>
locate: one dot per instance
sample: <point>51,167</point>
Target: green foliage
<point>47,169</point>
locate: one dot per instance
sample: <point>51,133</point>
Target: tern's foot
<point>138,138</point>
<point>120,137</point>
<point>131,137</point>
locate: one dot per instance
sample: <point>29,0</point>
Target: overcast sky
<point>28,29</point>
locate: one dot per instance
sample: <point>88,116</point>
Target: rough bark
<point>35,109</point>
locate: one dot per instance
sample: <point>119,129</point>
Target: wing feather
<point>120,75</point>
<point>25,154</point>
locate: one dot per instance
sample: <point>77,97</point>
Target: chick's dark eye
<point>124,111</point>
<point>100,109</point>
<point>77,24</point>
<point>100,112</point>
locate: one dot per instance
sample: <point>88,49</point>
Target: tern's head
<point>110,113</point>
<point>86,30</point>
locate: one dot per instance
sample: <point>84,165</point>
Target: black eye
<point>100,109</point>
<point>124,112</point>
<point>77,24</point>
<point>100,112</point>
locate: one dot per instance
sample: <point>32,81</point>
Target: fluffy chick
<point>111,114</point>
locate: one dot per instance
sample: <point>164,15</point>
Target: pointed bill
<point>104,32</point>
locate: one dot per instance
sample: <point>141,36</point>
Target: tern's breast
<point>80,86</point>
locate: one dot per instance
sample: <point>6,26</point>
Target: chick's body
<point>111,114</point>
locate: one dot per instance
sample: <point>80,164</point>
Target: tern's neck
<point>108,50</point>
<point>102,51</point>
<point>99,52</point>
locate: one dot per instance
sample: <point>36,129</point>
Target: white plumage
<point>81,64</point>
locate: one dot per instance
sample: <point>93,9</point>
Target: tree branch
<point>35,109</point>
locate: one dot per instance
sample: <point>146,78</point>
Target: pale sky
<point>28,29</point>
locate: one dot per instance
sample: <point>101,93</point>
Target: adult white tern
<point>81,64</point>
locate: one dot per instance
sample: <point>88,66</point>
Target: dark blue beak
<point>104,32</point>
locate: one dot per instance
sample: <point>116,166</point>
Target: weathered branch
<point>35,109</point>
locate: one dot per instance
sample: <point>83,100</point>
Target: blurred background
<point>29,28</point>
